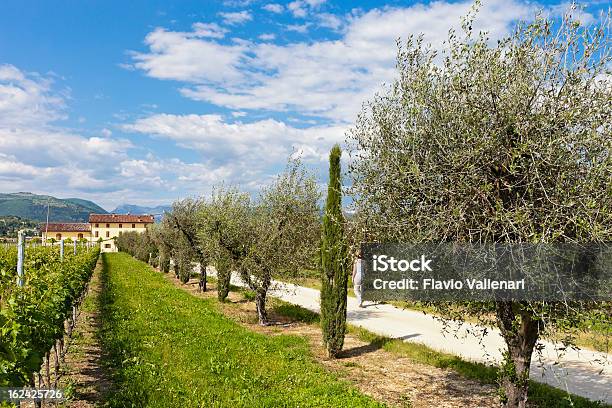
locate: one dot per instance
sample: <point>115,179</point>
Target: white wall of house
<point>59,235</point>
<point>109,230</point>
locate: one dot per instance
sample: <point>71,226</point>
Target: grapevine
<point>33,317</point>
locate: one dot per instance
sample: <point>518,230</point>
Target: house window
<point>133,225</point>
<point>120,225</point>
<point>80,236</point>
<point>107,225</point>
<point>106,245</point>
<point>107,234</point>
<point>58,236</point>
<point>96,234</point>
<point>97,225</point>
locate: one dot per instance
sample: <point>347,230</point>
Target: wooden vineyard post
<point>20,257</point>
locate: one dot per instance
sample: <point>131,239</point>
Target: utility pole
<point>47,225</point>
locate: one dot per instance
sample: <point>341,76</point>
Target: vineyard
<point>35,317</point>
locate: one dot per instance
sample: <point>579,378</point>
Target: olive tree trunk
<point>260,302</point>
<point>520,332</point>
<point>224,275</point>
<point>202,283</point>
<point>176,268</point>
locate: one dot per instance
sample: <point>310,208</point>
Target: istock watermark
<point>450,271</point>
<point>383,263</point>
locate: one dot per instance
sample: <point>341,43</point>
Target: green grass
<point>424,355</point>
<point>540,395</point>
<point>295,312</point>
<point>168,348</point>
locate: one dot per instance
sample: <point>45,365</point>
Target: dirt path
<point>387,377</point>
<point>84,377</point>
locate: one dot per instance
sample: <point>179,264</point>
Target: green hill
<point>34,207</point>
<point>91,206</point>
<point>9,225</point>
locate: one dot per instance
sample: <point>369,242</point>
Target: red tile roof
<point>127,218</point>
<point>65,227</point>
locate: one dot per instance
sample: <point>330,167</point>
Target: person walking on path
<point>357,274</point>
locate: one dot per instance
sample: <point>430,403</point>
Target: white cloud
<point>26,98</point>
<point>57,162</point>
<point>273,8</point>
<point>267,37</point>
<point>38,155</point>
<point>127,67</point>
<point>42,157</point>
<point>574,10</point>
<point>301,8</point>
<point>237,3</point>
<point>328,20</point>
<point>325,78</point>
<point>238,17</point>
<point>257,147</point>
<point>12,168</point>
<point>298,28</point>
<point>210,30</point>
<point>314,3</point>
<point>28,108</point>
<point>181,56</point>
<point>246,154</point>
<point>298,9</point>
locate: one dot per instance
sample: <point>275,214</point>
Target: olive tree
<point>487,142</point>
<point>184,217</point>
<point>138,244</point>
<point>223,223</point>
<point>163,237</point>
<point>173,245</point>
<point>281,232</point>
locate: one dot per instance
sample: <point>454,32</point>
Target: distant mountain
<point>34,207</point>
<point>139,209</point>
<point>91,206</point>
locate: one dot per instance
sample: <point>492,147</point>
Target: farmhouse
<point>108,226</point>
<point>65,230</point>
<point>101,227</point>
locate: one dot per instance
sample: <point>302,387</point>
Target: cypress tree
<point>334,262</point>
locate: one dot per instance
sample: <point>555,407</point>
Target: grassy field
<point>540,395</point>
<point>170,349</point>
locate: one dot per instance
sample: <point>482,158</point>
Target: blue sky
<point>145,102</point>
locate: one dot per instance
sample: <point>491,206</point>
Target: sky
<point>146,102</point>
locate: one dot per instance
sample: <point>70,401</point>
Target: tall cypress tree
<point>334,262</point>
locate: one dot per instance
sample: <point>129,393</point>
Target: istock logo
<point>384,263</point>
